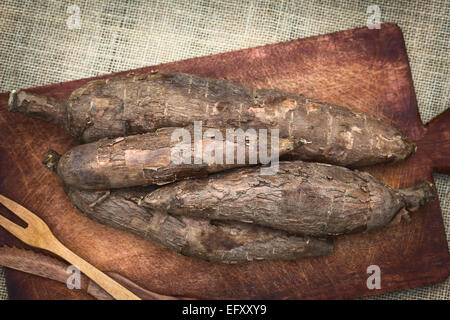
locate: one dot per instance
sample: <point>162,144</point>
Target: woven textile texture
<point>44,42</point>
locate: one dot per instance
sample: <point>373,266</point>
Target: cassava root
<point>137,104</point>
<point>302,198</point>
<point>216,241</point>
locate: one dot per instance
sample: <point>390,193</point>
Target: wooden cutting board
<point>364,69</point>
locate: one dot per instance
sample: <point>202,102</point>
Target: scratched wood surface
<point>366,70</point>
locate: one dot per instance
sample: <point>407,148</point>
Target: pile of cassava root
<point>123,174</point>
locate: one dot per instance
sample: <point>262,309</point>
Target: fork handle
<point>116,290</point>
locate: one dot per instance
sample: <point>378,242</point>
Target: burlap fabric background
<point>37,47</point>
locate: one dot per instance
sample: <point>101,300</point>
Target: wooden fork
<point>38,234</point>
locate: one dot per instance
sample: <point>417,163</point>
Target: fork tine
<point>20,211</point>
<point>13,228</point>
<point>38,234</point>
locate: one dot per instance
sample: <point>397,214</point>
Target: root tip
<point>51,160</point>
<point>418,195</point>
<point>12,101</point>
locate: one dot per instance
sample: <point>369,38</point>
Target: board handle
<point>437,142</point>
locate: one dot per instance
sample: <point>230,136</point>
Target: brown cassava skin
<point>216,241</point>
<point>143,103</point>
<point>302,198</point>
<point>142,160</point>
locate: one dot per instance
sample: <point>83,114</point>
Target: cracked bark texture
<point>148,159</point>
<point>216,241</point>
<point>136,104</point>
<point>302,198</point>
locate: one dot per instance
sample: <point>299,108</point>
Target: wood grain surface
<point>364,69</point>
